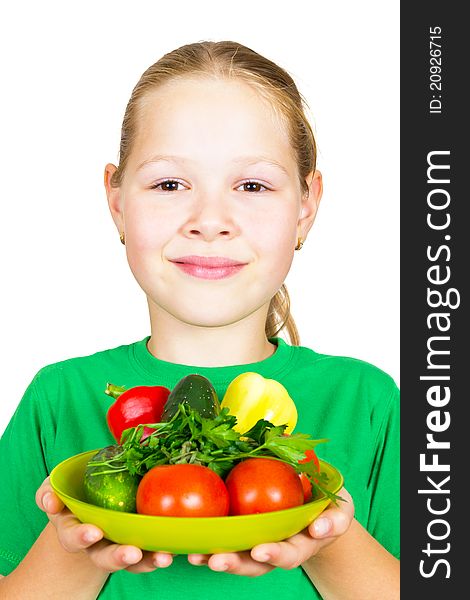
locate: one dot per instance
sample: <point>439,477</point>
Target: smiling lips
<point>208,267</point>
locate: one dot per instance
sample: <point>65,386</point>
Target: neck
<point>238,343</point>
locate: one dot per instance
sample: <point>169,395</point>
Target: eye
<point>253,186</point>
<point>168,185</point>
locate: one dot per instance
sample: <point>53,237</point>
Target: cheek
<point>146,237</point>
<point>147,228</point>
<point>279,264</point>
<point>143,248</point>
<point>275,245</point>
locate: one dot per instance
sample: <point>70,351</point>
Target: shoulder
<point>343,390</point>
<point>345,373</point>
<point>342,365</point>
<point>107,360</point>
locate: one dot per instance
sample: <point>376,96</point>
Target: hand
<point>290,553</point>
<point>75,536</point>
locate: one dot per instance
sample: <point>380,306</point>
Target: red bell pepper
<point>135,406</point>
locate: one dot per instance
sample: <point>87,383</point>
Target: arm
<point>355,566</point>
<point>49,571</point>
<point>62,563</point>
<point>344,562</point>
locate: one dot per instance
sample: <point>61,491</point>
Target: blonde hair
<point>231,60</point>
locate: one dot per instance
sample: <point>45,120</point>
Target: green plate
<point>184,535</point>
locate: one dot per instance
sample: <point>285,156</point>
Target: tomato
<point>182,490</point>
<point>311,456</point>
<point>259,485</point>
<point>306,485</point>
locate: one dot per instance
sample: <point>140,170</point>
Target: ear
<point>114,198</point>
<point>310,203</point>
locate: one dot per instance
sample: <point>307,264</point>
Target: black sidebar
<point>435,257</point>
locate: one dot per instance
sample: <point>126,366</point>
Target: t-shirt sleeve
<point>384,516</point>
<point>22,470</point>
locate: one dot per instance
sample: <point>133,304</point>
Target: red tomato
<point>311,456</point>
<point>306,485</point>
<point>182,491</point>
<point>258,485</point>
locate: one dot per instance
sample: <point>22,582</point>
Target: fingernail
<point>221,567</point>
<point>322,526</point>
<point>131,557</point>
<point>162,561</point>
<point>90,536</point>
<point>46,501</point>
<point>262,557</point>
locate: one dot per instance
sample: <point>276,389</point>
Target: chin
<point>207,318</point>
<point>210,308</point>
<point>210,313</point>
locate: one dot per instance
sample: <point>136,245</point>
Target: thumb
<point>335,520</point>
<point>47,500</point>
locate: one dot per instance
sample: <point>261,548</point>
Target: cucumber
<point>116,491</point>
<point>197,392</point>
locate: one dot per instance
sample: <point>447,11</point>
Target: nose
<point>211,217</point>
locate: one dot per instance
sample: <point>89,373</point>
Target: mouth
<point>208,267</point>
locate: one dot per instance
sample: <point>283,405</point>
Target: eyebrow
<point>247,160</point>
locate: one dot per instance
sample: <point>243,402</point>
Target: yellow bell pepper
<point>251,397</point>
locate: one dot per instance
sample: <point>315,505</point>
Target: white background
<point>67,74</point>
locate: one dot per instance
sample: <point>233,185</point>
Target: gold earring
<point>122,237</point>
<point>300,241</point>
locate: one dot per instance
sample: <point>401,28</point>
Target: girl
<point>215,189</point>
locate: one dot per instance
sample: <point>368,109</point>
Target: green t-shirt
<point>63,412</point>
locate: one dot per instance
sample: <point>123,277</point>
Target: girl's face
<point>211,175</point>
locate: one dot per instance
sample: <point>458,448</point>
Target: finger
<point>331,524</point>
<point>335,520</point>
<point>151,561</point>
<point>47,500</point>
<point>162,559</point>
<point>113,557</point>
<point>288,554</point>
<point>74,535</point>
<point>238,563</point>
<point>198,559</point>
